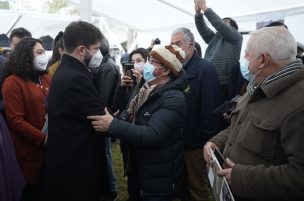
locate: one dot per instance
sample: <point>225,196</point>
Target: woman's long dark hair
<point>21,60</point>
<point>58,43</point>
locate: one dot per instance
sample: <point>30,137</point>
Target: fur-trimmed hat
<point>171,56</point>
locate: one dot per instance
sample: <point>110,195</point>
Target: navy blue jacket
<point>157,139</point>
<point>202,97</point>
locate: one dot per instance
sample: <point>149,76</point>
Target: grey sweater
<point>224,46</point>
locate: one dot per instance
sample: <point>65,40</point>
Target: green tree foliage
<point>4,5</point>
<point>56,5</point>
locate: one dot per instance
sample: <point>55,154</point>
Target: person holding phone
<point>136,62</point>
<point>132,78</point>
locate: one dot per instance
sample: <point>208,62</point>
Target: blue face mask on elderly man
<point>244,67</point>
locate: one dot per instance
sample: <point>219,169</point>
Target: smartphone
<point>127,68</point>
<point>221,159</point>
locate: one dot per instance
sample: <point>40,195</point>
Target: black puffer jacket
<point>157,138</point>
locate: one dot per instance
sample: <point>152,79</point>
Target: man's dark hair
<point>104,47</point>
<point>19,33</point>
<point>80,33</point>
<point>142,51</point>
<point>21,60</point>
<point>276,24</point>
<point>232,22</point>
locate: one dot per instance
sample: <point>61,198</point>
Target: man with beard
<point>75,163</point>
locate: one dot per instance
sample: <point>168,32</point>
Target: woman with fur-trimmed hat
<point>154,125</point>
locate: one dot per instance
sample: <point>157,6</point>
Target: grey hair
<point>188,35</point>
<point>278,42</point>
<point>104,47</point>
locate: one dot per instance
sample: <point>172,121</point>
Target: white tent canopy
<point>157,18</point>
<point>38,24</point>
<point>156,15</point>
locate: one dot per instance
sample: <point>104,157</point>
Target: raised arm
<point>228,32</point>
<point>206,33</point>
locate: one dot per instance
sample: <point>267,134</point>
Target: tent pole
<point>85,8</point>
<point>14,24</point>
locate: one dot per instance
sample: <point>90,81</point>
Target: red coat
<point>25,107</point>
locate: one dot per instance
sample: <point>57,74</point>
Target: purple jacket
<point>11,179</point>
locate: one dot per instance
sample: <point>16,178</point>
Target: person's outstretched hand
<point>101,123</point>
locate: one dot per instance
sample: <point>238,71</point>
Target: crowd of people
<point>170,108</point>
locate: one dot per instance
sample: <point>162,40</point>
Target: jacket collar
<point>273,88</point>
<point>73,63</point>
<point>270,90</point>
<point>190,66</point>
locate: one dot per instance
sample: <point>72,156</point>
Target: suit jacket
<point>75,160</point>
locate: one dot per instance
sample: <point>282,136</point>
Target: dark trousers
<point>133,189</point>
<point>196,185</point>
<point>157,198</point>
<point>31,192</point>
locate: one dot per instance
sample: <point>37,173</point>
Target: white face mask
<point>41,62</point>
<point>139,67</point>
<point>96,59</point>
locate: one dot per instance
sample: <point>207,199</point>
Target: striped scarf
<point>144,93</point>
<point>286,71</point>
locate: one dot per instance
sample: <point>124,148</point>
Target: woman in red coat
<point>25,92</point>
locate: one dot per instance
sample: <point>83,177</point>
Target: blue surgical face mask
<point>244,64</point>
<point>244,67</point>
<point>148,72</point>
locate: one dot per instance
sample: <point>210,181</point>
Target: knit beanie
<point>171,56</point>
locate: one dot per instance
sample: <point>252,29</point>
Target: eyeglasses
<point>151,61</point>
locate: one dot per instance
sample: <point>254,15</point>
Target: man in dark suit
<point>75,163</point>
